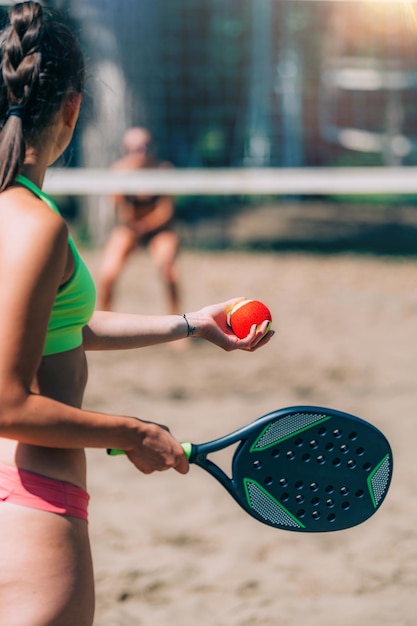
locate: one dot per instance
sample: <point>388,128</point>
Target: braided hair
<point>40,64</point>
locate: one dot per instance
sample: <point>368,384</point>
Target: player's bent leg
<point>121,243</point>
<point>46,577</point>
<point>164,251</point>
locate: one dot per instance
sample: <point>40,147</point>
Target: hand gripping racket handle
<point>187,447</point>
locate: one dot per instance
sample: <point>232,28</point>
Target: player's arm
<point>161,215</point>
<point>109,330</point>
<point>33,261</point>
<point>163,212</point>
<point>123,209</point>
<point>36,252</point>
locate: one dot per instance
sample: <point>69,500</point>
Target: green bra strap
<point>22,180</point>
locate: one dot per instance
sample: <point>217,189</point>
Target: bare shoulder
<point>129,162</point>
<point>28,224</point>
<point>33,259</point>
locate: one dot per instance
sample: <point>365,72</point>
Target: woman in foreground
<point>47,321</point>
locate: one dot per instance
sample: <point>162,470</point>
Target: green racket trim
<point>187,447</point>
<point>258,445</point>
<point>287,518</point>
<point>383,471</point>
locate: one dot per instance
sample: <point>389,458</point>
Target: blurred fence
<point>231,83</point>
<point>262,85</point>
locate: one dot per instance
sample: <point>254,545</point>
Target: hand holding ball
<point>245,314</point>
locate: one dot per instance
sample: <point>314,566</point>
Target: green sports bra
<point>75,300</point>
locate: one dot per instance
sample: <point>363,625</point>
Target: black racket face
<point>312,469</point>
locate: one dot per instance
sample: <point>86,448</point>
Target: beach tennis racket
<point>303,468</point>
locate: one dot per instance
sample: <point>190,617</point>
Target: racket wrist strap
<point>190,329</point>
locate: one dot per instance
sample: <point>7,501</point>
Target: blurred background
<point>248,84</point>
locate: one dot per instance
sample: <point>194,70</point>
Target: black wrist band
<point>190,329</point>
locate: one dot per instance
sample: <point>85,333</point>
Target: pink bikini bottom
<point>35,491</point>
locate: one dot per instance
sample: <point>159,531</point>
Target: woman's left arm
<point>123,331</point>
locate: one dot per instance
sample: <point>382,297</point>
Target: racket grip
<point>114,451</point>
<point>187,447</point>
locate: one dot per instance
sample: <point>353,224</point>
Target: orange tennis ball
<point>245,314</point>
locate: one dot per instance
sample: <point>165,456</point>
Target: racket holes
<point>299,484</point>
<point>275,453</point>
<point>321,460</point>
<point>314,487</point>
<point>283,482</point>
<point>314,444</point>
<point>315,501</point>
<point>346,506</point>
<point>301,513</point>
<point>285,497</point>
<point>330,447</point>
<point>329,489</point>
<point>315,515</point>
<point>353,436</point>
<point>290,455</point>
<point>268,480</point>
<point>360,493</point>
<point>360,451</point>
<point>344,449</point>
<point>322,431</point>
<point>257,465</point>
<point>336,462</point>
<point>351,464</point>
<point>330,503</point>
<point>299,442</point>
<point>299,499</point>
<point>306,458</point>
<point>337,433</point>
<point>331,517</point>
<point>367,467</point>
<point>344,491</point>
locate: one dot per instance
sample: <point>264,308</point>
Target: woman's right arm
<point>38,420</point>
<point>33,259</point>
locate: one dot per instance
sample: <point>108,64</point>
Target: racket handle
<point>187,447</point>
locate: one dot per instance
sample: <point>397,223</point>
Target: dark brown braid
<point>41,62</point>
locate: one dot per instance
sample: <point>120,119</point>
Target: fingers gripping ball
<point>245,314</point>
